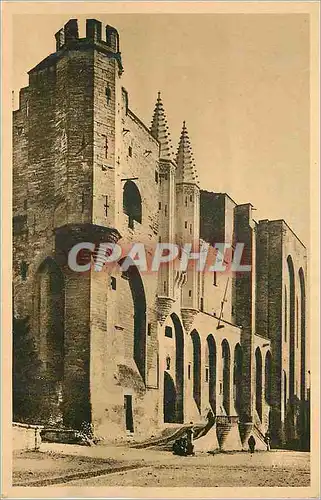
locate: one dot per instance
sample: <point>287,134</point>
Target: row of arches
<point>206,378</point>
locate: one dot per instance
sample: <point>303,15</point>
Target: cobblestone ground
<point>160,469</point>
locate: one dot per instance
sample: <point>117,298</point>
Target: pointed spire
<point>160,130</point>
<point>186,168</point>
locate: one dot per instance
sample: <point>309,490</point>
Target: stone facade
<point>133,352</point>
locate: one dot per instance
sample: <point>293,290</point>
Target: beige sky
<point>241,82</point>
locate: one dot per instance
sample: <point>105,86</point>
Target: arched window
<point>132,203</point>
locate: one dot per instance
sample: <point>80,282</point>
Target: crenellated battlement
<point>67,38</point>
<point>69,35</point>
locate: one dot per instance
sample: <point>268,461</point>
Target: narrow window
<point>23,270</point>
<point>113,282</point>
<point>105,145</point>
<point>106,206</point>
<point>215,278</point>
<point>159,239</point>
<point>191,198</point>
<point>189,293</point>
<point>108,94</point>
<point>130,151</point>
<point>185,201</point>
<point>186,224</point>
<point>159,206</point>
<point>206,374</point>
<point>189,371</point>
<point>156,176</point>
<point>165,210</point>
<point>168,332</point>
<point>202,304</point>
<point>190,228</point>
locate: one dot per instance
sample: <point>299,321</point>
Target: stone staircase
<point>228,434</point>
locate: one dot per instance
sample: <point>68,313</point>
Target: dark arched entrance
<point>132,203</point>
<point>285,396</point>
<point>268,378</point>
<point>292,328</point>
<point>226,359</point>
<point>179,373</point>
<point>211,364</point>
<point>139,302</point>
<point>170,398</point>
<point>303,339</point>
<point>237,378</point>
<point>196,368</point>
<point>258,384</point>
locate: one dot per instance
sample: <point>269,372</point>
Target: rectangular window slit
<point>113,282</point>
<point>168,332</point>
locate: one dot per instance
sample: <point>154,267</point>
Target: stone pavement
<point>73,465</point>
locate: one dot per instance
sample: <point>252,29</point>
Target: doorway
<point>129,419</point>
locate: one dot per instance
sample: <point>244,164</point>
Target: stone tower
<point>167,167</point>
<point>188,213</point>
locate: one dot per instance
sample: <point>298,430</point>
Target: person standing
<point>267,440</point>
<point>190,437</point>
<point>251,442</point>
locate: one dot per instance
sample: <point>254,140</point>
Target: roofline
<point>287,225</point>
<point>222,194</point>
<point>138,120</point>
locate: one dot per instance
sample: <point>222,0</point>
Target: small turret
<point>159,130</point>
<point>186,168</point>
